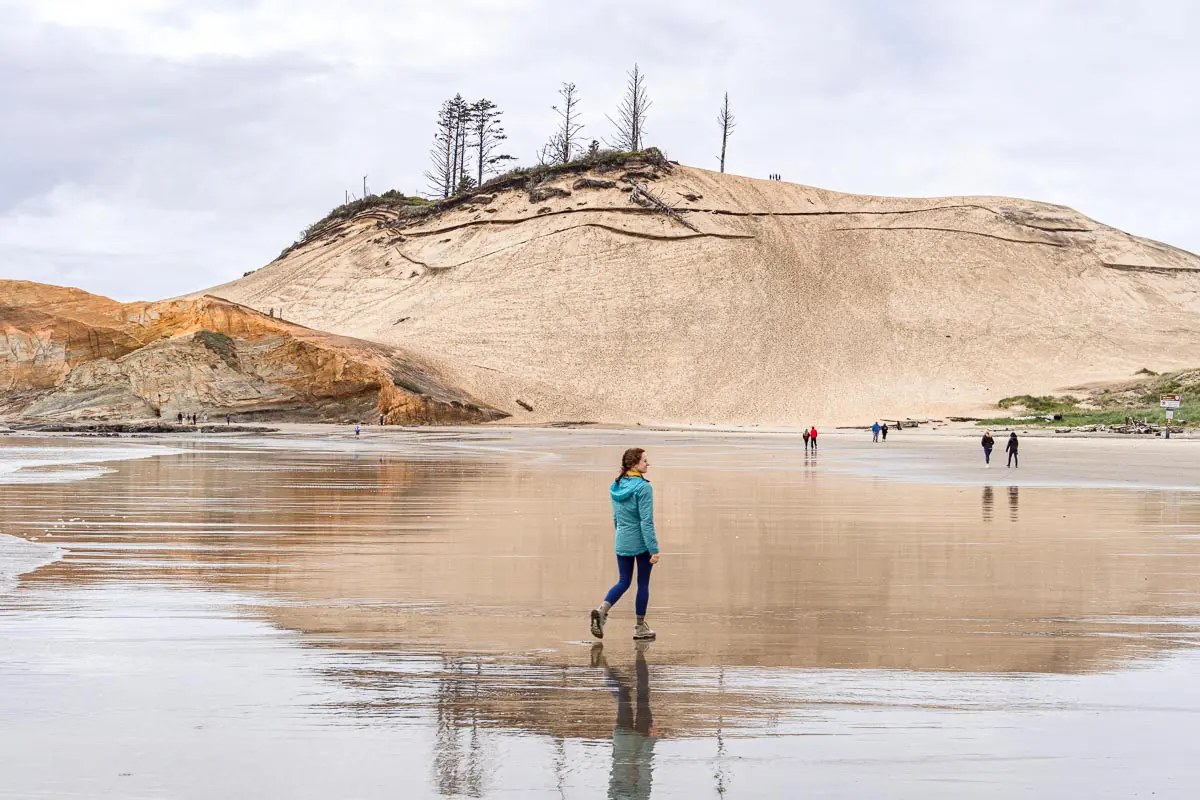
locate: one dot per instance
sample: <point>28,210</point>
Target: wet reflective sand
<point>405,616</point>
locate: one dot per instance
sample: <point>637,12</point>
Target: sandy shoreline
<point>406,609</point>
<point>939,428</point>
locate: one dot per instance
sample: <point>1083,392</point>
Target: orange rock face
<point>66,354</point>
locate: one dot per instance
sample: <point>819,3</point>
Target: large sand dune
<point>785,304</point>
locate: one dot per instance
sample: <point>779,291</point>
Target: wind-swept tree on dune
<point>449,152</point>
<point>440,175</point>
<point>726,121</point>
<point>631,114</point>
<point>564,143</point>
<point>462,119</point>
<point>486,135</point>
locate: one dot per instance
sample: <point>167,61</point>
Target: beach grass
<point>1109,405</point>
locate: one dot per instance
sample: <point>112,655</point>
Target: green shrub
<point>1039,404</point>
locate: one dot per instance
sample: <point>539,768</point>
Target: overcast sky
<point>153,147</point>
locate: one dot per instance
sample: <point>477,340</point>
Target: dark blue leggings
<point>625,568</point>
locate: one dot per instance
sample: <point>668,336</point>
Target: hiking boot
<point>599,617</point>
<point>642,632</point>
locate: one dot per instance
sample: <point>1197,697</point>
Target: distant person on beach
<point>812,436</point>
<point>205,418</point>
<point>1011,447</point>
<point>634,540</point>
<point>883,431</point>
<point>875,432</point>
<point>381,420</point>
<point>357,429</point>
<point>806,440</point>
<point>988,443</point>
<point>228,420</point>
<point>179,418</point>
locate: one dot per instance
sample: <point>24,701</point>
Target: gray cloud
<point>153,149</point>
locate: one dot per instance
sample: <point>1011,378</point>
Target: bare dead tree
<point>486,135</point>
<point>726,121</point>
<point>631,114</point>
<point>564,143</point>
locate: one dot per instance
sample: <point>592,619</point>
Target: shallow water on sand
<point>405,616</point>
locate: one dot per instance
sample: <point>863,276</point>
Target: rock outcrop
<point>758,302</point>
<point>65,354</point>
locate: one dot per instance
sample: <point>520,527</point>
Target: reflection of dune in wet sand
<point>572,700</point>
<point>777,567</point>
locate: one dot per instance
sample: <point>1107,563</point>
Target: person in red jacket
<point>812,437</point>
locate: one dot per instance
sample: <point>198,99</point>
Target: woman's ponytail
<point>631,458</point>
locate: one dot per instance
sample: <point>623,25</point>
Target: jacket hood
<point>624,488</point>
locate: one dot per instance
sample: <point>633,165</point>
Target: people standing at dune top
<point>875,432</point>
<point>1011,447</point>
<point>634,540</point>
<point>988,443</point>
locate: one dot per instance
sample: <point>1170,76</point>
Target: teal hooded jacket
<point>633,516</point>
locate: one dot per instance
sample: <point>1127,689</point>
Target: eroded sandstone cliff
<point>65,354</point>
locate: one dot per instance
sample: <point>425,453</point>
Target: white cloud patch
<point>153,147</point>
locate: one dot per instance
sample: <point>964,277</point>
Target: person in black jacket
<point>1011,447</point>
<point>988,443</point>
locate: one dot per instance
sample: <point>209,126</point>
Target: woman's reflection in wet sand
<point>1013,497</point>
<point>634,735</point>
<point>989,499</point>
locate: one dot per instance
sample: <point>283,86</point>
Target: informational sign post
<point>1170,402</point>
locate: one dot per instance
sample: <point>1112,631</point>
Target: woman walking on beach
<point>1011,447</point>
<point>634,540</point>
<point>988,443</point>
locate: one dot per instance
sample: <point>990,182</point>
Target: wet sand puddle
<point>406,616</point>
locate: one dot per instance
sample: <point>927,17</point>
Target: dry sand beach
<point>309,615</point>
